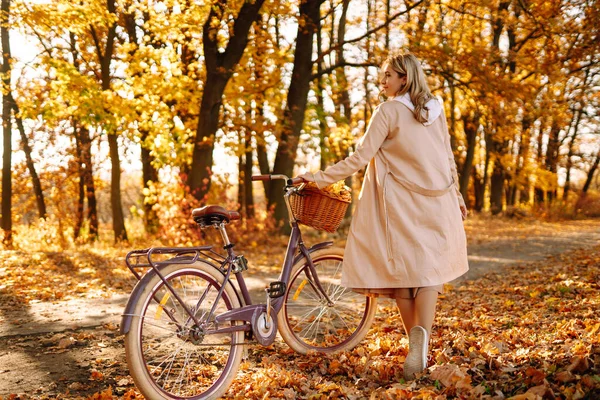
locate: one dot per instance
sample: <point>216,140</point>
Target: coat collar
<point>434,106</point>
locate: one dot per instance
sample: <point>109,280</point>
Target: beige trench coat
<point>407,228</point>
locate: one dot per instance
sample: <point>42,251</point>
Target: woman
<point>406,238</point>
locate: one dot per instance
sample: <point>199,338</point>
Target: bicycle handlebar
<point>261,177</point>
<point>270,177</point>
<point>290,188</point>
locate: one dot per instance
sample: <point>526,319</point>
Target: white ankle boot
<point>416,360</point>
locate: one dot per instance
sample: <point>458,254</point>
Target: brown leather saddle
<point>211,215</point>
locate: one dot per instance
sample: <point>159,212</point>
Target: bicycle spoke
<point>342,319</point>
<point>170,364</point>
<point>335,273</point>
<point>183,371</point>
<point>180,360</point>
<point>311,323</point>
<point>306,315</point>
<point>336,293</point>
<point>160,326</point>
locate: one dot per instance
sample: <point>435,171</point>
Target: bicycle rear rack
<point>138,259</point>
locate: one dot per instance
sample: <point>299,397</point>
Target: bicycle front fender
<point>137,291</point>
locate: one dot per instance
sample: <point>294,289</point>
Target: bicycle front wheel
<point>308,322</point>
<point>169,357</point>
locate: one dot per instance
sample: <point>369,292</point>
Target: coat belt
<point>413,187</point>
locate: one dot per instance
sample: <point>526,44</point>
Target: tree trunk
<point>293,117</point>
<point>569,166</point>
<point>522,160</point>
<point>83,155</point>
<point>452,126</point>
<point>368,107</point>
<point>471,124</point>
<point>342,79</point>
<point>259,137</point>
<point>149,174</point>
<point>570,154</point>
<point>208,124</point>
<point>261,156</point>
<point>81,187</point>
<point>480,188</point>
<point>539,194</point>
<point>342,85</point>
<point>7,107</point>
<point>219,69</point>
<point>498,148</point>
<point>88,178</point>
<point>35,179</point>
<point>80,207</point>
<point>497,187</point>
<point>248,161</point>
<point>115,190</point>
<point>498,24</point>
<point>388,11</point>
<point>321,107</point>
<point>241,190</point>
<point>105,58</point>
<point>590,175</point>
<point>479,191</point>
<point>552,158</point>
<point>422,19</point>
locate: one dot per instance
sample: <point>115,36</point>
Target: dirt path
<point>529,244</point>
<point>54,347</point>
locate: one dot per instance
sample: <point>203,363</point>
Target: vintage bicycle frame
<point>249,312</point>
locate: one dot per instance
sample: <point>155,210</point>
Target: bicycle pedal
<point>240,264</point>
<point>276,289</point>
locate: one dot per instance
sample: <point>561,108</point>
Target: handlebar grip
<point>261,177</point>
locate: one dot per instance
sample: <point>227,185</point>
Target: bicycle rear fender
<point>136,293</point>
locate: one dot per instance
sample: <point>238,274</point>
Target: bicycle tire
<point>165,360</point>
<point>307,323</point>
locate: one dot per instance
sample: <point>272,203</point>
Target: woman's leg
<point>407,312</point>
<point>419,311</point>
<point>425,304</point>
<point>423,307</point>
<point>418,315</point>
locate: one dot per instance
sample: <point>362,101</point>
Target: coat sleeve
<point>452,162</point>
<point>367,147</point>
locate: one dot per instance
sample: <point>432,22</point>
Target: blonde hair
<point>416,84</point>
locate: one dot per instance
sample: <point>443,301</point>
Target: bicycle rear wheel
<point>168,356</point>
<point>306,322</point>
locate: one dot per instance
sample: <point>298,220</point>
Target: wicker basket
<point>318,209</point>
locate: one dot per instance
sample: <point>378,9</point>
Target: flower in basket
<point>337,190</point>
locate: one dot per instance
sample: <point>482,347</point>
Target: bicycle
<point>187,321</point>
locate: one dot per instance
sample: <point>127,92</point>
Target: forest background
<point>127,114</point>
<point>121,116</point>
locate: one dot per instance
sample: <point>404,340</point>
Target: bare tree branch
<point>341,65</point>
<point>369,32</point>
<point>97,43</point>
